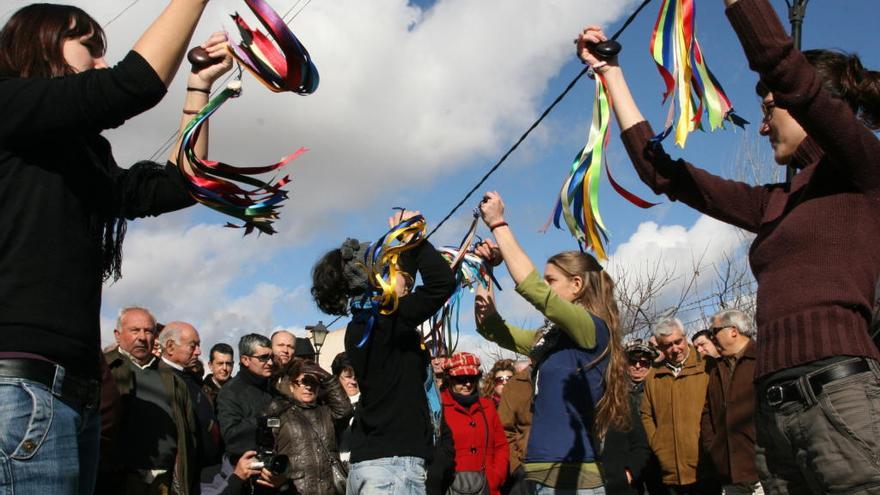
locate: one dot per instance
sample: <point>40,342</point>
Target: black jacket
<point>210,446</point>
<point>441,469</point>
<point>59,185</point>
<point>244,398</point>
<point>625,450</point>
<point>392,418</point>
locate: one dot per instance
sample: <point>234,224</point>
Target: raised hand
<point>586,43</point>
<point>220,61</point>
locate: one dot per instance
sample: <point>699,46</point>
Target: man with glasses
<point>246,396</point>
<point>727,432</point>
<point>641,356</point>
<point>220,362</point>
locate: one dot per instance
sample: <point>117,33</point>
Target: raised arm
<point>572,318</point>
<point>799,89</point>
<point>730,201</point>
<point>98,99</point>
<point>198,89</point>
<point>163,43</point>
<point>625,108</point>
<point>493,328</point>
<point>438,283</point>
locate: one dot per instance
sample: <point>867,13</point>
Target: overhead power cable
<point>534,124</point>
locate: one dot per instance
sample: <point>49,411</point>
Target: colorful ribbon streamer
<point>290,69</point>
<point>471,270</point>
<point>214,185</point>
<point>578,201</point>
<point>686,75</point>
<point>381,262</point>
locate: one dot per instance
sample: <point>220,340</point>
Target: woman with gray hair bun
<point>392,435</point>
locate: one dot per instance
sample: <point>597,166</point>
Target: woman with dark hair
<point>63,206</point>
<point>814,255</point>
<point>581,388</point>
<point>481,451</point>
<point>393,432</point>
<point>502,371</point>
<point>312,403</point>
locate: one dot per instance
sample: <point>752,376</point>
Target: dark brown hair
<point>500,365</point>
<point>31,40</point>
<point>844,76</point>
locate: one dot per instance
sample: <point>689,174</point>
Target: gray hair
<point>125,310</point>
<point>666,326</point>
<point>738,319</point>
<point>249,343</point>
<point>170,332</point>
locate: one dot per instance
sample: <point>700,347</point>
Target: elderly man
<point>181,348</point>
<point>672,407</point>
<point>283,346</point>
<point>220,361</point>
<point>154,447</point>
<point>728,427</point>
<point>704,345</point>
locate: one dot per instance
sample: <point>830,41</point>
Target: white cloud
<point>406,96</point>
<point>687,257</point>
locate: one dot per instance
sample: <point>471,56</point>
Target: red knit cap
<point>463,364</point>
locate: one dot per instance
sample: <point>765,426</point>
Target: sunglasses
<point>644,363</point>
<point>263,358</point>
<point>307,381</point>
<point>464,379</point>
<point>500,380</point>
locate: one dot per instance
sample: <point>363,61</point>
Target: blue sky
<point>416,102</point>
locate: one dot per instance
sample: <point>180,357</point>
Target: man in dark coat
<point>154,445</point>
<point>727,429</point>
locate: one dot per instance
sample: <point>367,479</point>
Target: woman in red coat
<point>480,444</point>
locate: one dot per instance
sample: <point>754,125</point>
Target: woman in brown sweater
<point>814,255</point>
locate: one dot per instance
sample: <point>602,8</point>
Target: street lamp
<point>797,9</point>
<point>319,334</point>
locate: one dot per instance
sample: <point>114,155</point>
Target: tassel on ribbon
<point>578,201</point>
<point>287,69</point>
<point>686,75</point>
<point>213,183</point>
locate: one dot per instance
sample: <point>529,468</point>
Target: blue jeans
<point>387,476</point>
<point>541,489</point>
<point>46,446</point>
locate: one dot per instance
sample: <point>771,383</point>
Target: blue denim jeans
<point>387,476</point>
<point>541,489</point>
<point>46,446</point>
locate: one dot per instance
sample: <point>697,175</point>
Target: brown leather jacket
<point>515,411</point>
<point>671,411</point>
<point>302,425</point>
<point>728,426</point>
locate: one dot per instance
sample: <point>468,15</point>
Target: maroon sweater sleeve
<point>797,88</point>
<point>729,201</point>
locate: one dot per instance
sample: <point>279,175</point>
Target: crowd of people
<point>785,403</point>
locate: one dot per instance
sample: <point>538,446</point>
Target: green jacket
<point>184,418</point>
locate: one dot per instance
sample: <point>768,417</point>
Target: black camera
<point>267,457</point>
